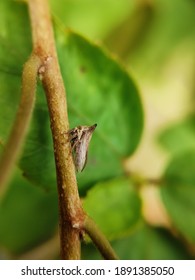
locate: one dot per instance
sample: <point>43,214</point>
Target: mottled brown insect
<point>80,137</point>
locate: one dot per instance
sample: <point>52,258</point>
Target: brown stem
<point>21,123</point>
<point>70,209</point>
<point>99,239</point>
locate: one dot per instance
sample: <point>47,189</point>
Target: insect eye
<point>71,132</point>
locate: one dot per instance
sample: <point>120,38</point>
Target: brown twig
<point>72,217</point>
<point>70,209</point>
<point>99,239</point>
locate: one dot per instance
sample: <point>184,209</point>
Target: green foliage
<point>179,137</point>
<point>28,216</point>
<point>89,17</point>
<point>149,243</point>
<point>15,47</point>
<point>99,90</point>
<point>146,243</point>
<point>165,34</point>
<point>119,205</point>
<point>178,193</point>
<point>111,100</point>
<point>178,189</point>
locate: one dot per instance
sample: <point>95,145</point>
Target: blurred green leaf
<point>15,36</point>
<point>28,216</point>
<point>129,35</point>
<point>148,243</point>
<point>179,137</point>
<point>115,206</point>
<point>99,20</point>
<point>178,193</point>
<point>91,18</point>
<point>14,49</point>
<point>165,35</point>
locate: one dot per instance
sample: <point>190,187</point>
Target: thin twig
<point>99,239</point>
<point>70,209</point>
<point>72,217</point>
<point>16,139</point>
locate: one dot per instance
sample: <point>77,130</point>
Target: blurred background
<point>155,41</point>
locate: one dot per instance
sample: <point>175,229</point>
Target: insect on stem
<point>80,137</point>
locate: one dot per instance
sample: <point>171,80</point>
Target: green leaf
<point>115,206</point>
<point>166,34</point>
<point>37,161</point>
<point>100,91</point>
<point>91,18</point>
<point>119,124</point>
<point>149,243</point>
<point>14,49</point>
<point>179,137</point>
<point>178,193</point>
<point>15,36</point>
<point>28,216</point>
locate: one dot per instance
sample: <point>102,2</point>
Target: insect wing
<point>80,138</point>
<point>80,158</point>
